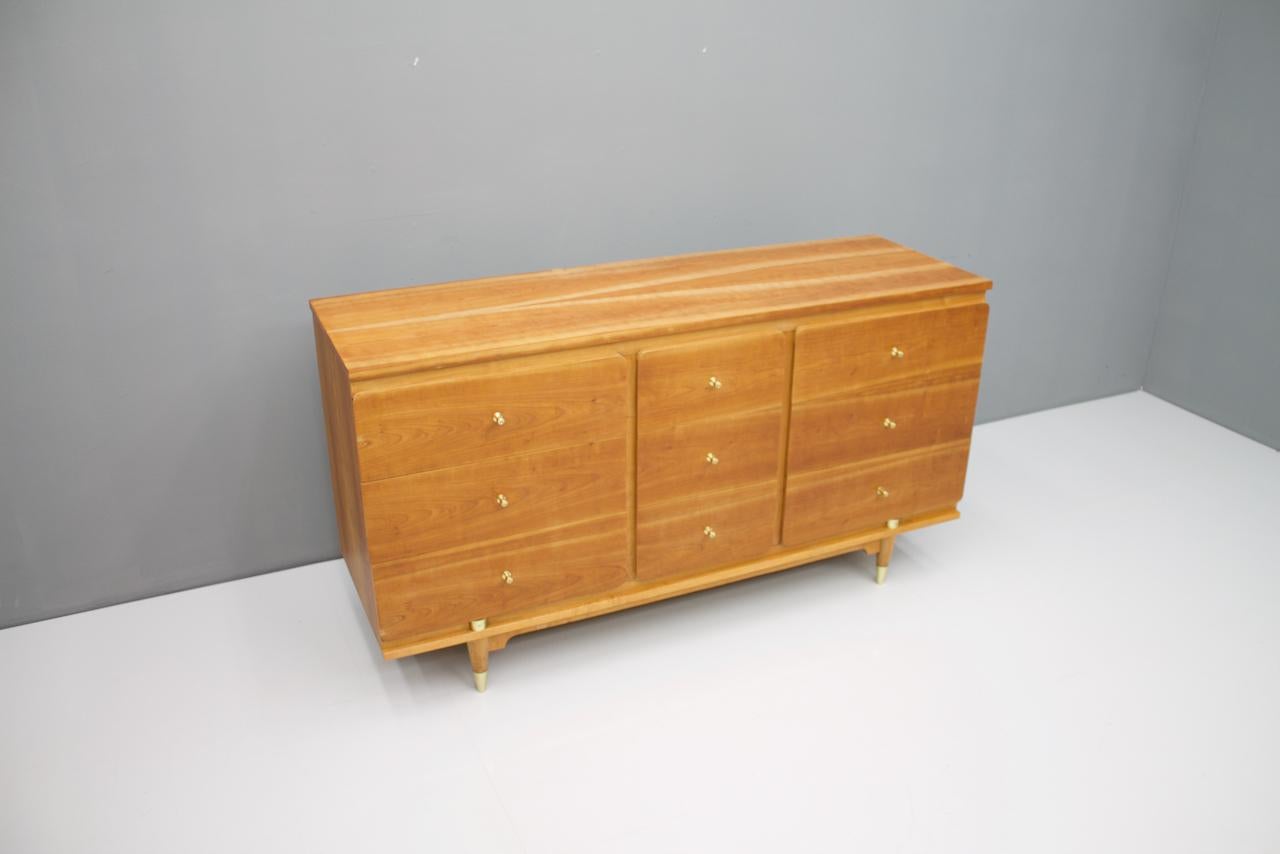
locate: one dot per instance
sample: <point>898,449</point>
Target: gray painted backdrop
<point>180,177</point>
<point>1217,345</point>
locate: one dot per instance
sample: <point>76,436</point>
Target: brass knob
<point>889,423</point>
<point>892,523</point>
<point>507,577</point>
<point>895,353</point>
<point>709,532</point>
<point>713,459</point>
<point>713,383</point>
<point>499,419</point>
<point>881,492</point>
<point>502,500</point>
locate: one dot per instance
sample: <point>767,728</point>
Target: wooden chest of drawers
<point>515,453</point>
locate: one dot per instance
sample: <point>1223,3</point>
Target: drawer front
<point>839,358</point>
<point>714,454</point>
<point>435,511</point>
<point>830,432</point>
<point>512,410</point>
<point>706,379</point>
<point>705,531</point>
<point>835,502</point>
<point>479,581</point>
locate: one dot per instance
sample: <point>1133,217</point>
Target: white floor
<point>1088,660</point>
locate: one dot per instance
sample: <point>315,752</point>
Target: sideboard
<point>520,452</point>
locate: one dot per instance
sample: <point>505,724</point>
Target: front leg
<point>478,650</point>
<point>882,558</point>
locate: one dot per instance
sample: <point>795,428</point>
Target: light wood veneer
<point>515,453</point>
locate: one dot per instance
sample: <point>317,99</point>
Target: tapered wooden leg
<point>882,559</point>
<point>478,650</point>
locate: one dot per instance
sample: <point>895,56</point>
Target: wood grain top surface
<point>381,333</point>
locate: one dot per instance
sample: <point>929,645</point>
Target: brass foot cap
<point>881,572</point>
<point>482,681</point>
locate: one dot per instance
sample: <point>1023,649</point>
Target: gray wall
<point>179,178</point>
<point>1217,346</point>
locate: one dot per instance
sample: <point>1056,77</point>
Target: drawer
<point>708,455</point>
<point>705,379</point>
<point>478,581</point>
<point>503,410</point>
<point>705,531</point>
<point>830,432</point>
<point>501,498</point>
<point>856,498</point>
<point>838,358</point>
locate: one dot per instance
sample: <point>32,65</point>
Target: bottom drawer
<point>706,530</point>
<point>846,500</point>
<point>490,579</point>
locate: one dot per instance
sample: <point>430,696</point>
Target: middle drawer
<point>834,431</point>
<point>675,460</point>
<point>497,499</point>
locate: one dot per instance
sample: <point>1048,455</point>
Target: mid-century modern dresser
<point>520,452</point>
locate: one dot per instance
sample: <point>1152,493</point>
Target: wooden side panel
<point>840,358</point>
<point>450,421</point>
<point>344,470</point>
<point>855,498</point>
<point>892,418</point>
<point>431,594</point>
<point>706,530</point>
<point>440,510</point>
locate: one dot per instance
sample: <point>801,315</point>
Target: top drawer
<point>839,358</point>
<point>453,421</point>
<point>705,379</point>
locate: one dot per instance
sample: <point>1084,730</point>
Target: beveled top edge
<point>399,330</point>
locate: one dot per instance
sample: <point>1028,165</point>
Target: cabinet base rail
<point>484,635</point>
